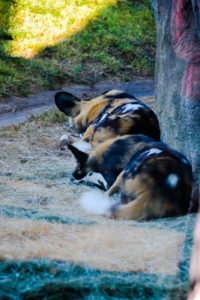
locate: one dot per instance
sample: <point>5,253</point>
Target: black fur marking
<point>126,96</point>
<point>65,100</point>
<point>112,124</point>
<point>106,92</point>
<point>100,185</point>
<point>140,157</point>
<point>78,174</point>
<point>98,119</point>
<point>146,124</point>
<point>121,95</point>
<point>79,155</point>
<point>141,125</point>
<point>118,155</point>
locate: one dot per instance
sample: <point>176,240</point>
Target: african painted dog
<point>155,181</point>
<point>112,114</point>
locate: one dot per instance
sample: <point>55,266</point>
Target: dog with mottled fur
<point>114,113</point>
<point>154,180</point>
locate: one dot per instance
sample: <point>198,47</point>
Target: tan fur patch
<point>131,186</point>
<point>148,205</point>
<point>90,111</point>
<point>102,135</point>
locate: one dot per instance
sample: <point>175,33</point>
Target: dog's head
<point>67,103</point>
<point>85,170</point>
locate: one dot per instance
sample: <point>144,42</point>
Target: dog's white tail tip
<point>95,203</point>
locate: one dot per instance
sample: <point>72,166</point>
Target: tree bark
<point>177,78</point>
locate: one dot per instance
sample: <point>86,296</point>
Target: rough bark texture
<point>177,77</point>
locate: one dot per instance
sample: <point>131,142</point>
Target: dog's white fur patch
<point>64,140</point>
<point>103,118</point>
<point>82,146</point>
<point>130,107</point>
<point>96,178</point>
<point>154,151</point>
<point>172,180</point>
<point>64,137</point>
<point>95,203</point>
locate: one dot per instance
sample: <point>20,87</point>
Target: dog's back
<point>156,183</point>
<point>114,113</point>
<point>112,156</point>
<point>125,118</point>
<point>123,114</point>
<point>154,180</point>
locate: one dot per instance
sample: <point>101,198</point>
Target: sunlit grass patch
<point>120,40</point>
<point>48,44</point>
<point>36,24</point>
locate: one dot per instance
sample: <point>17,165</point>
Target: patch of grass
<point>9,132</point>
<point>19,76</point>
<point>45,44</point>
<point>49,117</point>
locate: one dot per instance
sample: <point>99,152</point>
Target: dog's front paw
<point>64,141</point>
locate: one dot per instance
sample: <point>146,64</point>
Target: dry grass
<point>36,187</point>
<point>96,246</point>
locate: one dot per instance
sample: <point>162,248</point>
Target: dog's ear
<point>66,102</point>
<point>81,156</point>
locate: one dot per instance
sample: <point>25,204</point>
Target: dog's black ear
<point>65,101</point>
<point>79,155</point>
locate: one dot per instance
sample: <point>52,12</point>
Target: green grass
<point>52,116</point>
<point>19,76</point>
<point>47,44</point>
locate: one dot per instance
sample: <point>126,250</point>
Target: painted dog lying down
<point>155,181</point>
<point>114,113</point>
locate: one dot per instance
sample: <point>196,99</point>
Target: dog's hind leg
<point>134,210</point>
<point>115,186</point>
<point>144,207</point>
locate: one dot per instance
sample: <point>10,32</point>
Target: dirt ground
<point>16,110</point>
<point>41,216</point>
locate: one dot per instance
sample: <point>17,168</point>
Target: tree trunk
<point>177,78</point>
